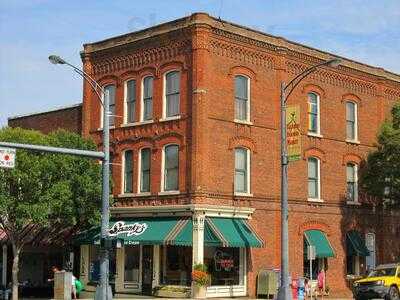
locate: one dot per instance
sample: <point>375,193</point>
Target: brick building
<point>196,160</point>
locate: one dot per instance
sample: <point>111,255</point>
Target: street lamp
<point>103,290</point>
<point>284,290</point>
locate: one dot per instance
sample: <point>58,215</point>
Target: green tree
<point>47,189</point>
<point>380,176</point>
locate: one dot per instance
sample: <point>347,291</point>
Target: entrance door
<point>147,270</point>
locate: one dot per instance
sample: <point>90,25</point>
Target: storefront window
<point>176,265</point>
<point>223,265</point>
<point>132,261</point>
<point>94,263</point>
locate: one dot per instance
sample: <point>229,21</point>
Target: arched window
<point>314,188</point>
<point>351,121</point>
<point>352,182</point>
<point>128,171</point>
<point>242,171</point>
<point>109,92</point>
<point>130,101</point>
<point>171,168</point>
<point>172,91</point>
<point>313,113</point>
<point>242,98</point>
<point>147,99</point>
<point>144,176</point>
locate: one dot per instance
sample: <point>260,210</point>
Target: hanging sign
<point>293,134</point>
<point>130,229</point>
<point>7,158</point>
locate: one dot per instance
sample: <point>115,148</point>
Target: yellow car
<point>383,282</point>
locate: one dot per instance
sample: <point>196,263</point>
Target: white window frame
<point>355,169</point>
<point>355,140</point>
<point>139,178</point>
<point>248,171</point>
<point>248,108</point>
<point>164,102</point>
<point>162,189</point>
<point>319,199</point>
<point>142,120</point>
<point>318,133</point>
<point>126,100</point>
<point>123,172</point>
<point>102,105</point>
<point>372,252</point>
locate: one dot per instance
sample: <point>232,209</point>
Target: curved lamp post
<point>103,290</point>
<point>286,90</point>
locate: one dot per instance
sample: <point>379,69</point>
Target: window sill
<point>164,193</point>
<point>170,118</point>
<point>244,122</point>
<point>243,194</point>
<point>353,203</point>
<point>317,200</point>
<point>128,195</point>
<point>110,127</point>
<point>317,135</point>
<point>353,141</point>
<point>137,123</point>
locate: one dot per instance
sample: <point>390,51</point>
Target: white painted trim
<point>355,140</point>
<point>243,194</point>
<point>315,200</point>
<point>164,193</point>
<point>141,119</point>
<point>248,107</point>
<point>243,122</point>
<point>162,189</point>
<point>352,203</point>
<point>319,199</point>
<point>164,98</point>
<point>170,118</point>
<point>137,123</point>
<point>318,133</point>
<point>125,104</point>
<point>139,177</point>
<point>247,193</point>
<point>355,170</point>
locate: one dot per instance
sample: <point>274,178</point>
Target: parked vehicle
<point>383,282</point>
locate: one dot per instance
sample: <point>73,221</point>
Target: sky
<point>31,30</point>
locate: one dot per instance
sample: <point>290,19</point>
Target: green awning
<point>318,239</point>
<point>233,232</point>
<point>355,244</point>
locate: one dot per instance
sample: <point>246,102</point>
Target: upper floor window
<point>128,171</point>
<point>313,113</point>
<point>109,92</point>
<point>351,121</point>
<point>147,105</point>
<point>242,98</point>
<point>171,168</point>
<point>144,177</point>
<point>242,171</point>
<point>130,101</point>
<point>313,178</point>
<point>352,182</point>
<point>172,82</point>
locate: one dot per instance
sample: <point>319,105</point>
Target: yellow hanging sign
<point>293,133</point>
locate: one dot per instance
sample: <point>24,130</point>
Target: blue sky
<point>30,30</point>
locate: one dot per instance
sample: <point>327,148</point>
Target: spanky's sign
<point>130,229</point>
<point>7,158</point>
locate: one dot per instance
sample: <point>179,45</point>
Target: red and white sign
<point>7,158</point>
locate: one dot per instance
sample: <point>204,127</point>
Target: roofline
<point>201,18</point>
<point>44,112</point>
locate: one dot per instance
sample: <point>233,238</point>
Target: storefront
<point>160,251</point>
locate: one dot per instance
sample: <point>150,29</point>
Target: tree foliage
<point>380,176</point>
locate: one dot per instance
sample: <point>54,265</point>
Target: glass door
<point>147,269</point>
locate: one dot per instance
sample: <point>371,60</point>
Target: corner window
<point>351,121</point>
<point>313,178</point>
<point>128,171</point>
<point>242,171</point>
<point>313,113</point>
<point>130,101</point>
<point>147,104</point>
<point>109,92</point>
<point>144,170</point>
<point>171,168</point>
<point>242,99</point>
<point>172,82</point>
<point>352,183</point>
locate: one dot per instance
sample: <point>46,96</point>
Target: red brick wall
<point>208,60</point>
<point>69,118</point>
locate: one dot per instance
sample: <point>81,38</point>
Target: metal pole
<point>284,290</point>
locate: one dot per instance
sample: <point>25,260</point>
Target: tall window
<point>242,170</point>
<point>370,260</point>
<point>352,182</point>
<point>147,108</point>
<point>351,121</point>
<point>172,94</point>
<point>145,170</point>
<point>128,171</point>
<point>171,168</point>
<point>109,92</point>
<point>132,263</point>
<point>130,101</point>
<point>242,111</point>
<point>313,113</point>
<point>313,178</point>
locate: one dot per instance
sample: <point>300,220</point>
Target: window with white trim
<point>242,171</point>
<point>130,101</point>
<point>242,98</point>
<point>128,171</point>
<point>171,168</point>
<point>147,99</point>
<point>370,260</point>
<point>172,90</point>
<point>352,182</point>
<point>313,113</point>
<point>144,177</point>
<point>351,121</point>
<point>313,178</point>
<point>109,92</point>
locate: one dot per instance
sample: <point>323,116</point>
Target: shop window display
<point>132,262</point>
<point>223,265</point>
<point>176,265</point>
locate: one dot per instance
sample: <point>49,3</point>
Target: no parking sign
<point>7,158</point>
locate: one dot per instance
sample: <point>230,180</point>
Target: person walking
<point>321,282</point>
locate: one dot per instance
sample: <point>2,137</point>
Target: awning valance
<point>355,244</point>
<point>318,239</point>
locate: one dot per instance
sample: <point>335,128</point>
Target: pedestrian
<point>321,282</point>
<point>307,287</point>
